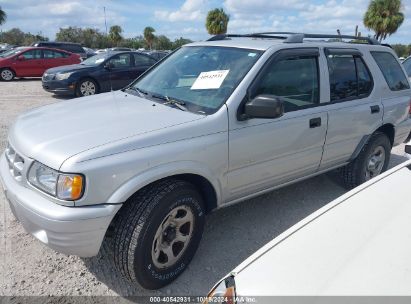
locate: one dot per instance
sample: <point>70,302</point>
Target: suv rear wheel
<point>372,161</point>
<point>157,232</point>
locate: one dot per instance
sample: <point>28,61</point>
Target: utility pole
<point>105,19</point>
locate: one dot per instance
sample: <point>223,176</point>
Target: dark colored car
<point>100,73</point>
<point>33,61</point>
<point>71,47</point>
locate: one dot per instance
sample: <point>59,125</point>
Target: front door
<point>30,65</point>
<point>268,152</point>
<point>120,70</point>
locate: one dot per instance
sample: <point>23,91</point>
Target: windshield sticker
<point>209,80</point>
<point>99,60</point>
<point>252,54</point>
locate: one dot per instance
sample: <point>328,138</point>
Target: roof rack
<point>290,37</point>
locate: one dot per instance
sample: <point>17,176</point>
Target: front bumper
<point>69,230</point>
<point>61,87</point>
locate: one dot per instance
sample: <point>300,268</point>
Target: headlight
<point>63,76</point>
<point>224,292</point>
<point>63,186</point>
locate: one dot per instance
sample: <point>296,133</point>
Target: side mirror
<point>264,106</point>
<point>108,65</point>
<point>21,58</point>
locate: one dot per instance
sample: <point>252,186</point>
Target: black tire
<point>354,173</point>
<point>79,90</point>
<point>7,71</point>
<point>137,223</point>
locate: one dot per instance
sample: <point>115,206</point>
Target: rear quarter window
<point>391,70</point>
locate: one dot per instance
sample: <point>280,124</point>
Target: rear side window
<point>391,70</point>
<point>141,60</point>
<point>49,54</point>
<point>349,77</point>
<point>295,80</point>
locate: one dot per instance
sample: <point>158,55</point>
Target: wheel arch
<point>9,68</point>
<point>209,189</point>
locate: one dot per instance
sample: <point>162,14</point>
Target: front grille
<point>47,77</point>
<point>16,163</point>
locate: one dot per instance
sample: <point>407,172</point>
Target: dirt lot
<point>232,234</point>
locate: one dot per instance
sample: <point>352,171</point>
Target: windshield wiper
<point>172,101</point>
<point>135,89</point>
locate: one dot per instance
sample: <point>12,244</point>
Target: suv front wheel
<point>157,232</point>
<point>372,161</point>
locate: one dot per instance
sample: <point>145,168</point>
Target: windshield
<point>202,77</point>
<point>95,60</point>
<point>12,52</point>
<point>407,66</point>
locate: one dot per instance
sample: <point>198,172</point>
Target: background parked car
<point>33,61</point>
<point>407,66</point>
<point>357,245</point>
<point>120,49</point>
<point>89,52</point>
<point>100,73</point>
<point>75,48</point>
<point>157,54</point>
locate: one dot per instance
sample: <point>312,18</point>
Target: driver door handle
<point>315,122</point>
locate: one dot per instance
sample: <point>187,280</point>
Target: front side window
<point>295,80</point>
<point>120,61</point>
<point>349,77</point>
<point>203,77</point>
<point>391,70</point>
<point>33,54</point>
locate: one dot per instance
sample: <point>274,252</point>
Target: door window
<point>295,80</point>
<point>33,54</point>
<point>49,54</point>
<point>349,77</point>
<point>391,70</point>
<point>141,60</point>
<point>120,61</point>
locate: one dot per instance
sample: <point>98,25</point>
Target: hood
<point>69,68</point>
<point>53,133</point>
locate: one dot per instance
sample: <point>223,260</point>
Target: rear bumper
<point>60,87</point>
<point>69,230</point>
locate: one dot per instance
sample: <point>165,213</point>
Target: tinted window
<point>391,70</point>
<point>407,66</point>
<point>73,48</point>
<point>293,79</point>
<point>364,79</point>
<point>120,61</point>
<point>33,54</point>
<point>54,54</point>
<point>349,77</point>
<point>141,60</point>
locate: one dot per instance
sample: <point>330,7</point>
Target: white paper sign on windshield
<point>209,80</point>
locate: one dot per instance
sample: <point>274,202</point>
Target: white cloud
<point>189,11</point>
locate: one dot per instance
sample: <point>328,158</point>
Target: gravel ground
<point>231,234</point>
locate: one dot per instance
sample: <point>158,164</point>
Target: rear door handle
<point>315,122</point>
<point>375,109</point>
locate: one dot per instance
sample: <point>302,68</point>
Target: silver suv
<point>215,123</point>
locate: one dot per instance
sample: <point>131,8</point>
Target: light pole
<point>105,19</point>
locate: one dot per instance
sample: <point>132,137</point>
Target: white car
<point>357,245</point>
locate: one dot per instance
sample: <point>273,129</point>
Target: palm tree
<point>3,16</point>
<point>217,21</point>
<point>115,34</point>
<point>149,36</point>
<point>384,17</point>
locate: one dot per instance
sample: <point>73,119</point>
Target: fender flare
<point>126,190</point>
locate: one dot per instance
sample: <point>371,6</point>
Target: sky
<point>186,18</point>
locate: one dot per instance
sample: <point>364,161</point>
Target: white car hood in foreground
<point>360,244</point>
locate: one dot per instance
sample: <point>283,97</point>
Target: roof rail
<point>290,37</point>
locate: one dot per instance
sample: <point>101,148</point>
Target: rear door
<point>141,63</point>
<point>269,152</point>
<point>53,59</point>
<point>354,108</point>
<point>31,66</point>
